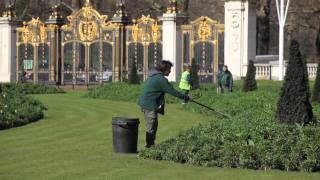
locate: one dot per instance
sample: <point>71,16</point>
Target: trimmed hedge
<point>252,138</point>
<point>30,88</point>
<point>123,92</point>
<point>17,109</point>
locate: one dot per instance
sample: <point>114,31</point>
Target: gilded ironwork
<point>155,32</point>
<point>135,32</point>
<point>87,33</point>
<point>204,31</point>
<point>145,29</point>
<point>143,44</point>
<point>9,12</point>
<point>88,22</point>
<point>172,8</point>
<point>87,30</point>
<point>201,43</point>
<point>33,32</point>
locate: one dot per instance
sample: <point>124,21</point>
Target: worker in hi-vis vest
<point>186,81</point>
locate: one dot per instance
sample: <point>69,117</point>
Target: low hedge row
<point>17,109</point>
<point>121,92</point>
<point>30,88</point>
<point>252,138</point>
<point>230,143</point>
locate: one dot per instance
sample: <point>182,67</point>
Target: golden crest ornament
<point>87,30</point>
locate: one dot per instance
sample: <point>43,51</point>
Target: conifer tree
<point>294,105</point>
<point>194,74</point>
<point>250,83</point>
<point>133,76</point>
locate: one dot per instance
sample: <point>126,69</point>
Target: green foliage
<point>252,138</point>
<point>30,88</point>
<point>123,92</point>
<point>294,105</point>
<point>133,76</point>
<point>17,109</point>
<point>316,89</point>
<point>250,83</point>
<point>194,74</point>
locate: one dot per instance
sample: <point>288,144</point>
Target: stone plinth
<point>171,41</point>
<point>240,35</point>
<point>7,50</point>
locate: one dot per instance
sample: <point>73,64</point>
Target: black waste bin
<point>125,134</point>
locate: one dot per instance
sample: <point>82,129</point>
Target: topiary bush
<point>294,105</point>
<point>250,83</point>
<point>316,89</point>
<point>194,74</point>
<point>133,76</point>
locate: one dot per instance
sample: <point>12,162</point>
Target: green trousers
<point>151,120</point>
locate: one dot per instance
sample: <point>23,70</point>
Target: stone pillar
<point>172,42</point>
<point>7,49</point>
<point>240,35</point>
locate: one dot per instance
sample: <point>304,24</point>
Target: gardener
<point>186,81</point>
<point>152,101</point>
<point>225,80</point>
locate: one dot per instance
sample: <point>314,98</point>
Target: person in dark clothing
<point>152,100</point>
<point>225,80</point>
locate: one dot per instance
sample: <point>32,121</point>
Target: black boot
<point>149,140</point>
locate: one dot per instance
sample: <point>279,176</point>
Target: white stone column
<point>171,41</point>
<point>240,35</point>
<point>7,50</point>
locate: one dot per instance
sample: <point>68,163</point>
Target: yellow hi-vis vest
<point>184,85</point>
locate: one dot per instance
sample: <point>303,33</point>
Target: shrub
<point>17,109</point>
<point>133,76</point>
<point>252,138</point>
<point>250,83</point>
<point>30,88</point>
<point>194,74</point>
<point>316,90</point>
<point>294,105</point>
<point>123,92</point>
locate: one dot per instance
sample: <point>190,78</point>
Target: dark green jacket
<point>225,80</point>
<point>152,95</point>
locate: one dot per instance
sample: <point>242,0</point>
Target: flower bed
<point>252,138</point>
<point>17,110</point>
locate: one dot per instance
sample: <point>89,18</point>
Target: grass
<point>74,141</point>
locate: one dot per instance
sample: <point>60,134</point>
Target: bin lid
<point>125,121</point>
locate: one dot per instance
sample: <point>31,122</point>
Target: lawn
<point>74,141</point>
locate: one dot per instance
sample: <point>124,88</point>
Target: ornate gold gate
<point>144,46</point>
<point>33,53</point>
<point>203,43</point>
<point>87,48</point>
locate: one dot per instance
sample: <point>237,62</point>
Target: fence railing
<point>270,72</point>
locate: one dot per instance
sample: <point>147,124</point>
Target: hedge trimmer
<point>215,111</point>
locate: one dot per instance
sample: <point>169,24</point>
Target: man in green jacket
<point>152,100</point>
<point>225,80</point>
<point>186,81</point>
